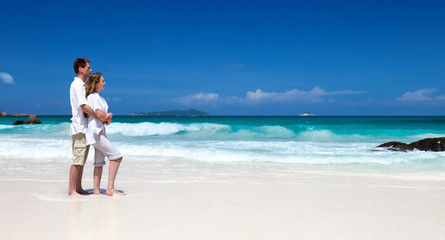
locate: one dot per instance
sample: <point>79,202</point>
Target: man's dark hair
<point>80,62</point>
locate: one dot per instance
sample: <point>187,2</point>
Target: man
<point>79,123</point>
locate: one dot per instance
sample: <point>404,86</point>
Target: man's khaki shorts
<point>80,149</point>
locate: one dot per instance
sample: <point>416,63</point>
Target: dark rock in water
<point>31,120</point>
<point>395,146</point>
<point>427,144</point>
<point>19,122</point>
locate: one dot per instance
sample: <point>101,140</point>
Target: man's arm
<point>87,109</point>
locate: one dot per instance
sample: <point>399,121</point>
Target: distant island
<point>306,114</point>
<point>17,114</point>
<point>174,113</point>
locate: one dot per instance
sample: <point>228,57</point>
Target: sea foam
<point>228,142</point>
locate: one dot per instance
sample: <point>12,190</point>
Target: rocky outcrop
<point>427,144</point>
<point>31,120</point>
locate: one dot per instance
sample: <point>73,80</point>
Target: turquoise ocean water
<point>228,145</point>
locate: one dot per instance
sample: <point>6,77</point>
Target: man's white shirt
<point>79,123</point>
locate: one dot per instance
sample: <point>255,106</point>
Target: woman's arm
<point>101,115</point>
<point>108,118</point>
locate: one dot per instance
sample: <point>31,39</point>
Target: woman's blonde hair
<point>91,83</point>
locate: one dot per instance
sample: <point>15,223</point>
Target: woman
<point>96,135</point>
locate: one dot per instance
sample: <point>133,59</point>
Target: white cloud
<point>314,95</point>
<point>199,98</point>
<point>6,78</point>
<point>440,98</point>
<point>258,95</point>
<point>419,95</point>
<point>114,99</point>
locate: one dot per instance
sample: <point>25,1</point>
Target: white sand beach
<point>311,205</point>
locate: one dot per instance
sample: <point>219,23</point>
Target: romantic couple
<point>90,115</point>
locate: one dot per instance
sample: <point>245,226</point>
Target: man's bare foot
<point>73,194</point>
<point>114,192</point>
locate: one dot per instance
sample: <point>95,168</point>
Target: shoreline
<point>181,170</point>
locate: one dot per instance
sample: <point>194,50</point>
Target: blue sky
<point>228,57</point>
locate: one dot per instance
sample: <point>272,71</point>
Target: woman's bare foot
<point>114,192</point>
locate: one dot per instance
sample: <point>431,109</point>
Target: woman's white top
<point>95,125</point>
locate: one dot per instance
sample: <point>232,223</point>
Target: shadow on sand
<point>102,191</point>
